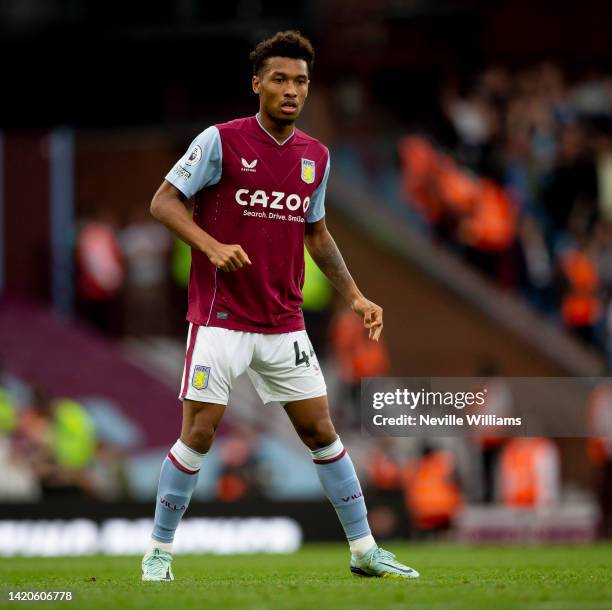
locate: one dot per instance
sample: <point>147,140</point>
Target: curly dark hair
<point>289,43</point>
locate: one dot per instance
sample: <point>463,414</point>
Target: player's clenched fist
<point>228,257</point>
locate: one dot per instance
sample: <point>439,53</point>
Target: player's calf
<point>341,485</point>
<point>179,474</point>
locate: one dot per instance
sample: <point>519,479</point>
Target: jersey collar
<point>275,140</point>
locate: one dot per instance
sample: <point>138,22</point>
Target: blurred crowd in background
<point>517,179</point>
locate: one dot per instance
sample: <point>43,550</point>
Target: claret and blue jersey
<point>253,191</point>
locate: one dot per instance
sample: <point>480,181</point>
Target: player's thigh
<point>311,419</point>
<point>215,358</point>
<point>285,368</point>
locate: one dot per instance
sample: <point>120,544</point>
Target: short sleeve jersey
<point>250,190</point>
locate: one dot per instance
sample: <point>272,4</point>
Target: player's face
<point>282,86</point>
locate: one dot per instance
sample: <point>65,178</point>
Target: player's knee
<point>199,436</point>
<point>319,435</point>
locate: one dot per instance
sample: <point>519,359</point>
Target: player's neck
<point>279,131</point>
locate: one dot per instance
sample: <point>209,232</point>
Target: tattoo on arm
<point>328,258</point>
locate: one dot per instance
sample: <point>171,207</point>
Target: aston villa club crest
<point>308,171</point>
<point>200,377</point>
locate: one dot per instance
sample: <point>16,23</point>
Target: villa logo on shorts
<point>200,377</point>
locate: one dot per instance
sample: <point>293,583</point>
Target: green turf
<point>317,578</point>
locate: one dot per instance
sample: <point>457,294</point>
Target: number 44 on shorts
<point>301,356</point>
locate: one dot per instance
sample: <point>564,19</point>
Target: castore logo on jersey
<point>248,167</point>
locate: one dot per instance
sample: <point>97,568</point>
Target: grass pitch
<point>317,578</point>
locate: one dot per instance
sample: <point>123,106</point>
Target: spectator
<point>570,192</point>
<point>318,295</point>
<point>238,478</point>
<point>146,247</point>
<point>356,356</point>
<point>529,473</point>
<point>600,452</point>
<point>432,493</point>
<point>56,440</point>
<point>100,272</point>
<point>529,171</point>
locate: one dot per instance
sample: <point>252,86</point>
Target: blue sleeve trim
<point>200,166</point>
<point>316,211</point>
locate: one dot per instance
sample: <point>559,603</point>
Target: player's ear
<point>256,83</point>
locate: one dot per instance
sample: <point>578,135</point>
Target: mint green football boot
<point>156,565</point>
<point>382,564</point>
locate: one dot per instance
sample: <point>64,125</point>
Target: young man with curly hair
<point>258,185</point>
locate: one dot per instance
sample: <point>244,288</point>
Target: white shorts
<point>282,367</point>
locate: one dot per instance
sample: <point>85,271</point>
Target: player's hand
<point>372,315</point>
<point>227,257</point>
